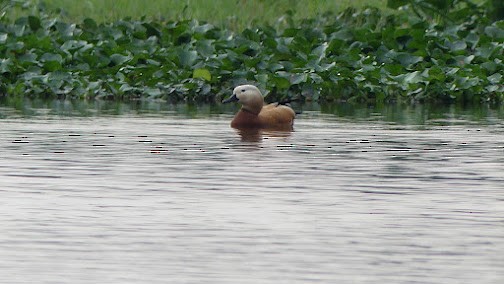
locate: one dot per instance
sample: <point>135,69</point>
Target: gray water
<point>165,197</point>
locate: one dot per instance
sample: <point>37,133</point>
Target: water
<point>353,195</point>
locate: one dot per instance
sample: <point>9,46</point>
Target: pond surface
<point>173,195</point>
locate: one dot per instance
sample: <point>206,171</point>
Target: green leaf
<point>51,57</point>
<point>409,78</point>
<point>153,62</point>
<point>28,58</point>
<point>262,79</point>
<point>296,79</point>
<point>202,29</point>
<point>65,30</point>
<point>394,4</point>
<point>457,45</point>
<point>490,66</point>
<point>206,47</point>
<point>119,59</point>
<point>19,29</point>
<point>319,51</point>
<point>202,73</point>
<point>492,88</point>
<point>393,69</point>
<point>52,66</point>
<point>462,60</point>
<point>407,59</point>
<point>34,23</point>
<point>466,83</point>
<point>5,65</point>
<point>473,39</point>
<point>485,51</point>
<point>89,24</point>
<point>452,71</point>
<point>3,38</point>
<point>436,73</point>
<point>413,77</point>
<point>495,32</point>
<point>495,78</point>
<point>151,30</point>
<point>126,88</point>
<point>187,57</point>
<point>280,82</point>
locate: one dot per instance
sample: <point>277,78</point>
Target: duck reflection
<point>258,135</point>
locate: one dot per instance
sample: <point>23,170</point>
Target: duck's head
<point>249,97</point>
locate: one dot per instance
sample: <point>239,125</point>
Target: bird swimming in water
<point>255,114</point>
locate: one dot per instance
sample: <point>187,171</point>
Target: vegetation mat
<point>423,52</point>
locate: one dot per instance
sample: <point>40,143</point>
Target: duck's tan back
<point>277,115</point>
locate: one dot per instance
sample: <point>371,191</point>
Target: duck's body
<point>271,116</point>
<point>254,114</point>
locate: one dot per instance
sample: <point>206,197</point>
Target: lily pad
<point>202,73</point>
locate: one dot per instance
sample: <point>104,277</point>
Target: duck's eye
<point>243,90</point>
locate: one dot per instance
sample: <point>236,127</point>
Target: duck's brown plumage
<point>254,114</point>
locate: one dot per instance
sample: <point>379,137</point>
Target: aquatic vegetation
<point>359,55</point>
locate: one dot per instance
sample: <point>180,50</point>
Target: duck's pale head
<point>249,96</point>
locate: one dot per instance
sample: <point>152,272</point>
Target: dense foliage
<point>356,55</point>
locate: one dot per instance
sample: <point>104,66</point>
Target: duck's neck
<point>252,109</point>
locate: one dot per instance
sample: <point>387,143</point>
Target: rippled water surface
<point>163,197</point>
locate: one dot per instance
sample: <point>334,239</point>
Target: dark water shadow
<point>414,114</point>
<point>86,108</point>
<point>400,114</point>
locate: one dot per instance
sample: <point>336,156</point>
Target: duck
<point>254,114</point>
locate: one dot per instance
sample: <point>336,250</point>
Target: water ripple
<point>157,199</point>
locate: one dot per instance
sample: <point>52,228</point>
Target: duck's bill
<point>231,99</point>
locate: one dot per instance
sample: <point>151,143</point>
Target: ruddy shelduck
<point>255,114</point>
